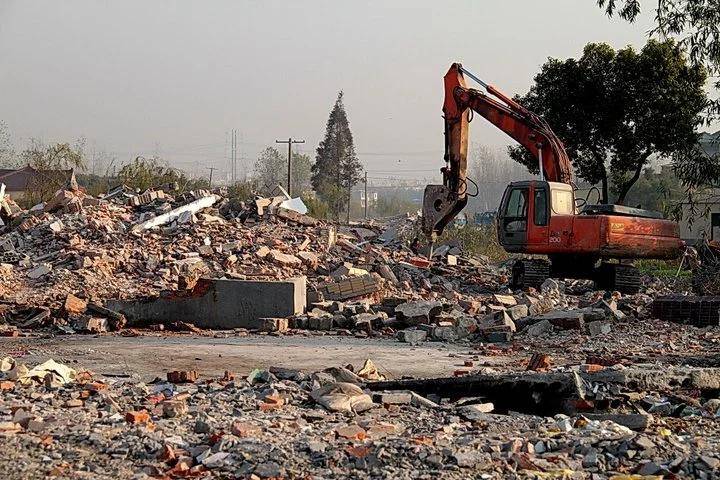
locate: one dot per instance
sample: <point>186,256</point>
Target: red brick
<point>135,417</point>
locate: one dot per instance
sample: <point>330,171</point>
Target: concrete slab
<point>221,303</point>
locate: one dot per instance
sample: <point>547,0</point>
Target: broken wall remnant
<point>221,303</point>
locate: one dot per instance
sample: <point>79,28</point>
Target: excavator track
<point>615,276</point>
<point>530,273</point>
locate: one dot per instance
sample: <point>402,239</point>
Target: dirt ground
<point>146,357</point>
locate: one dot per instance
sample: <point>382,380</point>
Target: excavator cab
<point>527,211</point>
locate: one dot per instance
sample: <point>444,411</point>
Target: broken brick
<point>182,376</point>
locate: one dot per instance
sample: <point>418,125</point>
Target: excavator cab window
<point>515,214</point>
<point>541,207</point>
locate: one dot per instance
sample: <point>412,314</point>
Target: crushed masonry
<point>557,381</point>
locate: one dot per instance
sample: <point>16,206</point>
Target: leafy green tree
<point>336,168</point>
<point>316,207</point>
<point>394,204</point>
<point>694,23</point>
<point>655,191</point>
<point>613,110</point>
<point>696,26</point>
<point>51,162</point>
<point>58,156</point>
<point>271,170</point>
<point>143,173</point>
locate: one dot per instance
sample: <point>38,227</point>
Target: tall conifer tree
<point>336,169</point>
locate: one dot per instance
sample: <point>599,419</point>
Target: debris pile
<point>337,423</point>
<point>127,246</point>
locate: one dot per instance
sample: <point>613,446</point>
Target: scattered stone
<point>39,271</point>
<point>412,336</point>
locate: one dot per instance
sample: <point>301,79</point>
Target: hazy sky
<point>176,76</point>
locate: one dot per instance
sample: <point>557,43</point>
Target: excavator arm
<point>442,203</point>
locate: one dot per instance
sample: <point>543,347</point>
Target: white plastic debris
<point>61,373</point>
<point>295,204</point>
<point>186,211</point>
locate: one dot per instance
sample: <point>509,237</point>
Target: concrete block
<point>517,312</point>
<point>540,328</point>
<point>412,336</point>
<point>86,323</point>
<point>499,337</point>
<point>598,328</point>
<point>444,333</point>
<point>220,303</point>
<point>566,320</point>
<point>273,324</point>
<point>416,312</point>
<point>321,323</point>
<point>499,318</point>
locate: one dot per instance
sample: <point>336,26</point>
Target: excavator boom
<point>443,202</point>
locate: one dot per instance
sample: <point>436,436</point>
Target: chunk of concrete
<point>40,271</point>
<point>476,411</point>
<point>570,320</point>
<point>497,321</point>
<point>610,307</point>
<point>506,300</point>
<point>540,328</point>
<point>499,337</point>
<point>324,322</point>
<point>272,324</point>
<point>220,303</point>
<point>598,328</point>
<point>86,323</point>
<point>393,398</point>
<point>444,333</point>
<point>516,312</point>
<point>412,336</point>
<point>633,421</point>
<point>417,312</point>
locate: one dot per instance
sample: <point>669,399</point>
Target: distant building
<point>19,181</point>
<point>702,218</point>
<point>413,194</point>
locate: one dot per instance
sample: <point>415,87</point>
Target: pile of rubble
<point>127,246</point>
<point>66,261</point>
<point>342,422</point>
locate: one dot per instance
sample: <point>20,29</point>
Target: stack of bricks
<point>701,311</point>
<point>146,198</point>
<point>352,287</point>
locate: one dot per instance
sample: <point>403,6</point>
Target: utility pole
<point>367,199</point>
<point>347,221</point>
<point>290,142</point>
<point>212,169</point>
<point>233,160</point>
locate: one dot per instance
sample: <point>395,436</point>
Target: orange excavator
<point>544,216</point>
